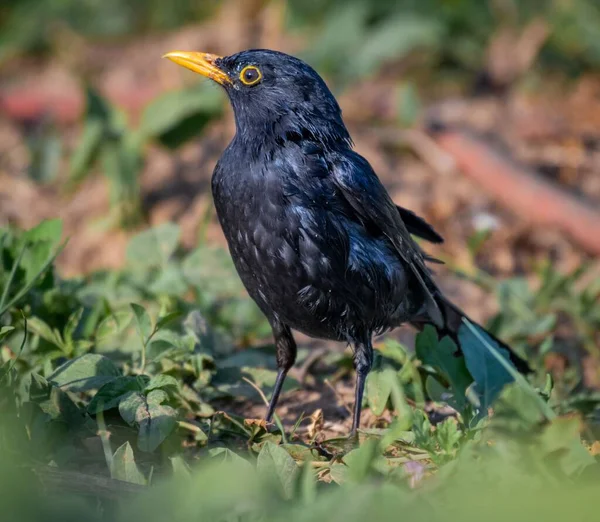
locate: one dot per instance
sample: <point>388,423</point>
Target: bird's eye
<point>250,75</point>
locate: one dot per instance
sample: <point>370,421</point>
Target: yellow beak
<point>201,63</point>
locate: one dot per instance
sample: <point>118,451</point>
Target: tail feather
<point>480,350</point>
<point>454,327</point>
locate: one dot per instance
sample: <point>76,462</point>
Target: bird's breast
<point>300,257</point>
<point>262,228</point>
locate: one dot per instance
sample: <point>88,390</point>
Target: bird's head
<point>274,96</point>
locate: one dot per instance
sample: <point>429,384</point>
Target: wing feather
<point>372,204</point>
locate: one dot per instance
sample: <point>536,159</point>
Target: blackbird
<point>316,239</point>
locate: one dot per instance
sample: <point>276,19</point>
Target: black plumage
<point>314,235</point>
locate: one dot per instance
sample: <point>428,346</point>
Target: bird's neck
<point>256,136</point>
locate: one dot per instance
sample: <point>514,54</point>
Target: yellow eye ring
<point>250,75</point>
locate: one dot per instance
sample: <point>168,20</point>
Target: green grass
<point>118,375</point>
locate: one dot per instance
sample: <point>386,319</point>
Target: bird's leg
<point>286,356</point>
<point>363,360</point>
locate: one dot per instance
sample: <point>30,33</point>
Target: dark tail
<point>456,328</point>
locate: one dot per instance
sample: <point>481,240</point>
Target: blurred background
<point>483,116</point>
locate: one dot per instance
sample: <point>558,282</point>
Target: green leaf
<point>155,420</point>
<point>143,322</point>
<point>543,326</point>
<point>39,257</point>
<point>71,326</point>
<point>161,382</point>
<point>39,388</point>
<point>85,373</point>
<point>167,343</point>
<point>339,473</point>
<point>55,403</point>
<point>7,367</point>
<point>86,152</point>
<point>121,163</point>
<point>361,460</point>
<point>42,242</point>
<point>300,452</point>
<point>561,441</point>
<point>278,468</point>
<point>409,104</point>
<point>442,356</point>
<point>49,230</point>
<point>45,151</point>
<point>228,456</point>
<point>175,117</point>
<point>394,38</point>
<point>517,410</point>
<point>170,281</point>
<point>97,108</point>
<point>435,390</point>
<point>342,29</point>
<point>180,467</point>
<point>166,319</point>
<point>110,395</point>
<point>212,270</point>
<point>113,325</point>
<point>81,346</point>
<point>421,428</point>
<point>379,388</point>
<point>404,413</point>
<point>124,467</point>
<point>5,330</point>
<point>308,484</point>
<point>155,246</point>
<point>52,335</point>
<point>186,130</point>
<point>128,407</point>
<point>448,435</point>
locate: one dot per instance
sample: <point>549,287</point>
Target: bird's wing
<point>369,199</point>
<point>417,226</point>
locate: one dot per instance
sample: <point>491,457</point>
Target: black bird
<point>314,235</point>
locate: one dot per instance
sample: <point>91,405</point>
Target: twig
<point>338,396</point>
<point>266,401</point>
<point>258,390</point>
<point>314,356</point>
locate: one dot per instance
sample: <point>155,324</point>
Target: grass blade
<point>10,280</point>
<point>14,361</point>
<point>28,286</point>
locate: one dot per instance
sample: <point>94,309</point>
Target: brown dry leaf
<point>316,423</point>
<point>324,476</point>
<point>260,423</point>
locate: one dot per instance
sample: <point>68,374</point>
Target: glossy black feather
<point>417,226</point>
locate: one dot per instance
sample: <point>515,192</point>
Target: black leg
<point>286,356</point>
<point>363,360</point>
<point>276,391</point>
